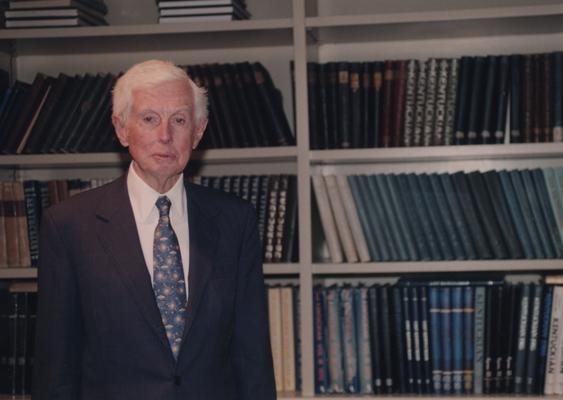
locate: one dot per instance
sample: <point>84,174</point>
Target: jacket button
<point>177,380</point>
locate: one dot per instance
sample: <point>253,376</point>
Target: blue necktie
<point>168,281</point>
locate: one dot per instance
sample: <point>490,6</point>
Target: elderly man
<point>149,287</point>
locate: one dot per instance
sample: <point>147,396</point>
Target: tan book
<point>327,219</point>
<point>275,321</point>
<point>11,225</point>
<point>23,238</point>
<point>342,224</point>
<point>288,339</point>
<point>3,233</point>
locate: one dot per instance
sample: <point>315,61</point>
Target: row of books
<point>410,217</point>
<point>21,205</point>
<point>54,13</point>
<point>470,337</point>
<point>275,200</point>
<point>435,102</point>
<point>173,11</point>
<point>283,318</point>
<point>72,114</point>
<point>18,313</point>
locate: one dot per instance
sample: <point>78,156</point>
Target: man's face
<point>161,131</point>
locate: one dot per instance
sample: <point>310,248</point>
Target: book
<point>334,339</point>
<point>276,333</point>
<point>327,218</point>
<point>521,347</point>
<point>376,314</point>
<point>349,340</point>
<point>363,340</point>
<point>44,4</point>
<point>319,332</point>
<point>288,339</point>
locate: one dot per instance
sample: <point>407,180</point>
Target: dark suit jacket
<point>100,335</point>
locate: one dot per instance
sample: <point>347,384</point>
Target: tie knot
<point>163,205</point>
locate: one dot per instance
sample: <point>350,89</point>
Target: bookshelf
<point>301,30</point>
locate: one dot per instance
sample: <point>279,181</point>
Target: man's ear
<point>120,130</point>
<point>198,134</point>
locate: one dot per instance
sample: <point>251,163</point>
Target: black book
<point>375,337</point>
<point>61,113</point>
<point>344,134</point>
<point>463,96</point>
<point>253,99</point>
<point>271,101</point>
<point>39,89</point>
<point>55,97</point>
<point>509,322</point>
<point>557,96</point>
<point>502,214</point>
<point>88,113</point>
<point>315,138</point>
<point>366,104</point>
<point>20,92</point>
<point>536,297</point>
<point>521,342</point>
<point>223,111</point>
<point>467,202</point>
<point>397,344</point>
<point>497,337</point>
<point>102,132</point>
<point>33,215</point>
<point>487,216</point>
<point>236,111</point>
<point>323,107</point>
<point>515,79</point>
<point>489,339</point>
<point>355,105</point>
<point>5,312</point>
<point>502,99</point>
<point>101,112</point>
<point>526,101</point>
<point>474,121</point>
<point>331,77</point>
<point>491,77</point>
<point>291,229</point>
<point>408,340</point>
<point>241,96</point>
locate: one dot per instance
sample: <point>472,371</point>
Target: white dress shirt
<point>143,199</point>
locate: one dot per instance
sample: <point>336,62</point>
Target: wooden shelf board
<point>281,269</point>
<point>438,153</point>
<point>73,160</point>
<point>435,16</point>
<point>147,29</point>
<point>437,266</point>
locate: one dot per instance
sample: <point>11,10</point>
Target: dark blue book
<point>425,332</point>
<point>457,339</point>
<point>479,340</point>
<point>377,312</point>
<point>510,322</point>
<point>522,340</point>
<point>543,337</point>
<point>447,217</point>
<point>414,222</point>
<point>502,214</point>
<point>349,336</point>
<point>409,343</point>
<point>379,221</point>
<point>361,308</point>
<point>497,336</point>
<point>447,339</point>
<point>468,340</point>
<point>384,218</point>
<point>538,217</point>
<point>516,214</point>
<point>320,351</point>
<point>438,225</point>
<point>526,212</point>
<point>467,202</point>
<point>487,215</point>
<point>387,320</point>
<point>547,211</point>
<point>33,214</point>
<point>417,341</point>
<point>398,343</point>
<point>364,213</point>
<point>489,339</point>
<point>334,340</point>
<point>397,202</point>
<point>424,217</point>
<point>536,297</point>
<point>436,337</point>
<point>459,219</point>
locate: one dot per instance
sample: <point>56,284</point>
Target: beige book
<point>353,218</point>
<point>275,321</point>
<point>327,219</point>
<point>342,224</point>
<point>23,238</point>
<point>288,339</point>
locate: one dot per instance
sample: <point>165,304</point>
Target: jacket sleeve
<point>57,367</point>
<point>252,354</point>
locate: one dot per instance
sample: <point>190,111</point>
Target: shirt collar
<point>143,197</point>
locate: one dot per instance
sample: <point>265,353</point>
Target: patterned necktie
<point>169,284</point>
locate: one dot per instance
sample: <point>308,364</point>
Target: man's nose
<point>164,132</point>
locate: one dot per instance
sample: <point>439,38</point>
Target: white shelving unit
<point>302,31</point>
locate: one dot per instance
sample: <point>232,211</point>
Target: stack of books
<point>171,11</point>
<point>54,13</point>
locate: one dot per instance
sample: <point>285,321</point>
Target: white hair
<point>150,74</point>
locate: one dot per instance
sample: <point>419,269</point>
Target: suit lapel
<point>203,241</point>
<point>117,232</point>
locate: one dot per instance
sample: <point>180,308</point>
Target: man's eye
<point>149,118</point>
<point>180,121</point>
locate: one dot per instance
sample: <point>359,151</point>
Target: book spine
<point>376,316</point>
<point>366,90</point>
<point>335,362</point>
<point>313,101</point>
<point>430,104</point>
<point>521,349</point>
<point>527,93</point>
<point>555,197</point>
<point>355,124</point>
<point>378,103</point>
<point>399,88</point>
<point>417,340</point>
<point>361,305</point>
<point>558,96</point>
<point>543,338</point>
<point>348,338</point>
<point>468,338</point>
<point>393,375</point>
<point>409,344</point>
<point>502,99</point>
<point>536,175</point>
<point>554,342</point>
<point>438,134</point>
<point>479,340</point>
<point>546,97</point>
<point>288,339</point>
<point>498,356</point>
<point>425,332</point>
<point>475,107</point>
<point>345,140</point>
<point>457,338</point>
<point>387,104</point>
<point>321,370</point>
<point>447,340</point>
<point>532,356</point>
<point>420,103</point>
<point>399,342</point>
<point>489,97</point>
<point>281,219</point>
<point>275,323</point>
<point>515,98</point>
<point>463,100</point>
<point>451,100</point>
<point>410,103</point>
<point>436,338</point>
<point>271,214</point>
<point>327,219</point>
<point>380,220</point>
